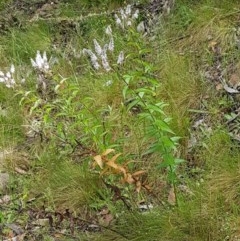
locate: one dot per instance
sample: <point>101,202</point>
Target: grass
<point>88,116</point>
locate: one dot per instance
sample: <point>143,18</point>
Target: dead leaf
<point>129,179</point>
<point>16,238</point>
<point>15,228</point>
<point>98,160</point>
<point>20,171</point>
<point>41,222</point>
<point>114,158</point>
<point>138,186</point>
<point>106,220</point>
<point>147,187</point>
<point>219,87</point>
<point>107,152</point>
<point>234,80</point>
<point>138,173</point>
<point>112,164</point>
<point>212,45</point>
<point>230,90</point>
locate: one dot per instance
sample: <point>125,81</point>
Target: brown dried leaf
<point>98,160</point>
<point>105,153</point>
<point>138,186</point>
<point>138,173</point>
<point>129,179</point>
<point>20,171</point>
<point>112,164</point>
<point>114,158</point>
<point>147,187</point>
<point>219,87</point>
<point>106,219</point>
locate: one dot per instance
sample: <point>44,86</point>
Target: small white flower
<point>98,48</point>
<point>141,27</point>
<point>105,63</point>
<point>123,15</point>
<point>118,21</point>
<point>108,83</point>
<point>40,62</point>
<point>111,44</point>
<point>12,69</point>
<point>135,15</point>
<point>7,78</point>
<point>129,23</point>
<point>108,30</point>
<point>128,9</point>
<point>8,75</point>
<point>44,58</point>
<point>120,58</point>
<point>93,58</point>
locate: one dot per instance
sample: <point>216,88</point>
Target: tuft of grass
<point>66,185</point>
<point>20,45</point>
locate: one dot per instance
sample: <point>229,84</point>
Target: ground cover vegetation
<point>119,120</point>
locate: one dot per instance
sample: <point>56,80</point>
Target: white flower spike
<point>12,69</point>
<point>118,21</point>
<point>93,58</point>
<point>111,44</point>
<point>40,62</point>
<point>128,10</point>
<point>135,15</point>
<point>120,58</point>
<point>98,48</point>
<point>7,78</point>
<point>109,30</point>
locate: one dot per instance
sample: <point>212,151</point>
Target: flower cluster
<point>101,52</point>
<point>42,66</point>
<point>41,62</point>
<point>126,17</point>
<point>7,78</point>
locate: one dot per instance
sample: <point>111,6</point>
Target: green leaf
<point>132,104</point>
<point>124,92</point>
<point>178,161</point>
<point>127,78</point>
<point>163,126</point>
